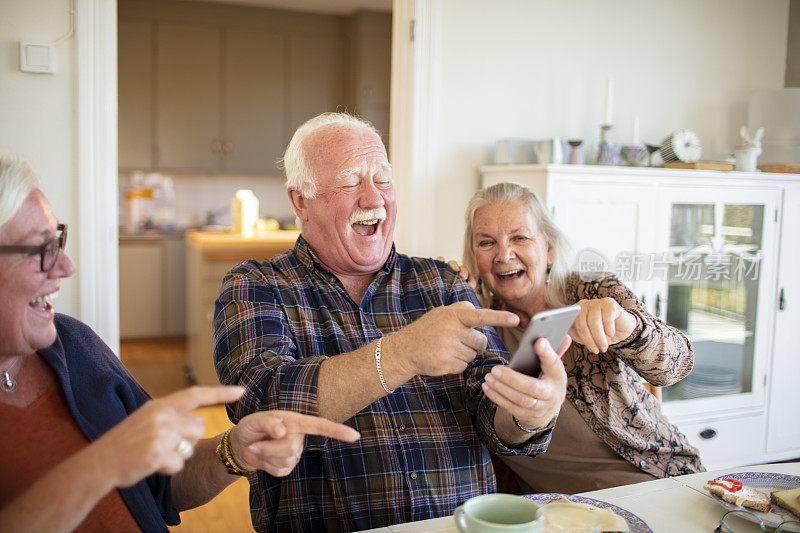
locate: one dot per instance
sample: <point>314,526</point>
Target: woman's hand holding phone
<point>533,401</point>
<point>601,323</point>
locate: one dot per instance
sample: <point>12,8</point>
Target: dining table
<point>672,504</point>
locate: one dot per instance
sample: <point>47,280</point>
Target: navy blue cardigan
<point>101,392</point>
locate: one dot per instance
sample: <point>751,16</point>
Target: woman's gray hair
<point>298,172</point>
<point>17,181</point>
<point>555,291</point>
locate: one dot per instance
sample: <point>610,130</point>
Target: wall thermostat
<point>37,56</point>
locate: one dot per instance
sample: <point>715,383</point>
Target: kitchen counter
<point>219,241</point>
<point>211,254</point>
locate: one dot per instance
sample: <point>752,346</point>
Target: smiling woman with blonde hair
<point>610,429</point>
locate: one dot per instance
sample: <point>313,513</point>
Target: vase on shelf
<point>607,153</point>
<point>633,155</point>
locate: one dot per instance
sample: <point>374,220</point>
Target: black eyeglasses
<point>722,527</point>
<point>47,252</point>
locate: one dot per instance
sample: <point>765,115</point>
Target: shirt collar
<point>308,258</point>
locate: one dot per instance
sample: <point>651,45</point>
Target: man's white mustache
<point>369,214</point>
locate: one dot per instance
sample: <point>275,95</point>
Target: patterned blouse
<point>607,391</point>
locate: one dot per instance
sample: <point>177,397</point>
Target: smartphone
<point>553,325</point>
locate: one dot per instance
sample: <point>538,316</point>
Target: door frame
<point>414,118</point>
<point>97,198</point>
<point>414,121</point>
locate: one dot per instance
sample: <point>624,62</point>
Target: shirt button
<point>643,463</point>
<point>402,427</point>
<point>413,475</point>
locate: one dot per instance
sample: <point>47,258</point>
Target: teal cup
<point>497,513</point>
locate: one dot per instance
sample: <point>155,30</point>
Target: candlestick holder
<point>575,154</point>
<point>651,149</point>
<point>607,153</point>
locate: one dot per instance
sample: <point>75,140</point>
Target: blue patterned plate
<point>635,524</point>
<point>765,482</point>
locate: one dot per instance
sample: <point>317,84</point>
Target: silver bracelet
<point>380,370</point>
<point>537,430</point>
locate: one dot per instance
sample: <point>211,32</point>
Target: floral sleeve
<point>659,353</point>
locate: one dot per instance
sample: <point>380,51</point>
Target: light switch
<point>37,57</point>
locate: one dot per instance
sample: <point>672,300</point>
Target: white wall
<point>538,68</point>
<point>37,114</point>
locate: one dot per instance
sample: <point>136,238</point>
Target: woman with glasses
<point>83,447</point>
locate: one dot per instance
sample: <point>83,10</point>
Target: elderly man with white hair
<point>345,327</point>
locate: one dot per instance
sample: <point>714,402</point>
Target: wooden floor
<point>160,366</point>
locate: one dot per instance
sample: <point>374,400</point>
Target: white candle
<point>636,130</point>
<point>609,100</point>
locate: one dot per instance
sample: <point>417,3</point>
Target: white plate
<point>635,524</point>
<point>765,482</point>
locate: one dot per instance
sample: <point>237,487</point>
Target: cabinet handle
<point>708,433</point>
<point>227,147</point>
<point>216,146</point>
<point>781,301</point>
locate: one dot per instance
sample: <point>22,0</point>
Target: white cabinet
<point>783,421</point>
<point>710,253</point>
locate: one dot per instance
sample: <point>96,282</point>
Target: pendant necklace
<point>8,383</point>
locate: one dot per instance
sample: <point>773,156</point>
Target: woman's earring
<point>548,280</point>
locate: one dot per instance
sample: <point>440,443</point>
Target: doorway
<point>191,102</point>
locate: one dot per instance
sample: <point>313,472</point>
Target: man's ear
<point>299,204</point>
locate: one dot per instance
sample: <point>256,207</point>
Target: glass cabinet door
<point>715,273</point>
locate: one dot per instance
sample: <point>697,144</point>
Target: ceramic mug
<point>497,513</point>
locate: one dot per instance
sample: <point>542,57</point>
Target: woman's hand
<point>532,401</point>
<point>601,323</point>
<point>273,440</point>
<point>151,439</point>
<point>463,272</point>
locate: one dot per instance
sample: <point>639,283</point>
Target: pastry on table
<point>788,499</point>
<point>733,491</point>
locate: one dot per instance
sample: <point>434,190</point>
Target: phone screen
<point>553,325</point>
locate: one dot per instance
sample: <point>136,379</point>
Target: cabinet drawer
<point>730,442</point>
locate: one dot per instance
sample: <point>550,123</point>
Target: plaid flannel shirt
<point>423,448</point>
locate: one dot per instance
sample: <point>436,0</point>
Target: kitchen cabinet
<point>253,129</point>
<point>188,92</point>
<point>135,94</point>
<point>152,286</point>
<point>711,253</point>
<point>141,287</point>
<point>206,89</point>
<point>210,256</point>
<point>220,95</point>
